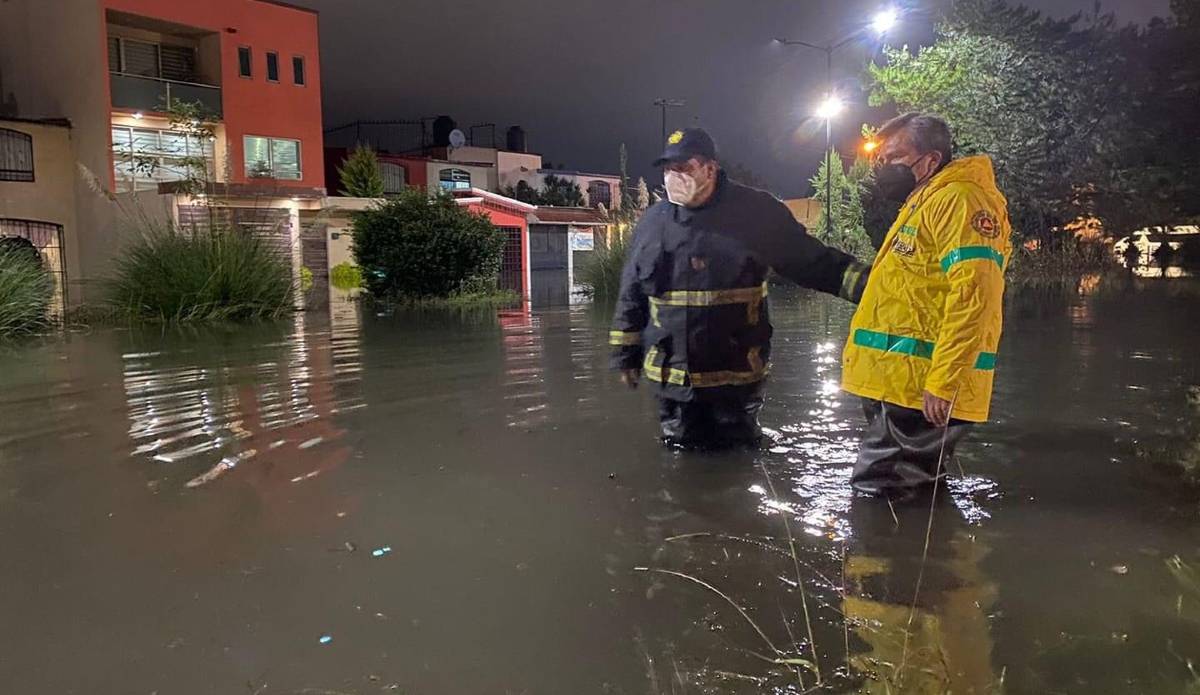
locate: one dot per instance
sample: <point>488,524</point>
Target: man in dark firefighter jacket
<point>692,312</point>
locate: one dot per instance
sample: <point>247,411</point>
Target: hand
<point>937,410</point>
<point>630,377</point>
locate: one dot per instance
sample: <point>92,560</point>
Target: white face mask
<point>681,188</point>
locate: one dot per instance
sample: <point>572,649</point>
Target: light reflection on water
<point>520,485</point>
<point>191,407</point>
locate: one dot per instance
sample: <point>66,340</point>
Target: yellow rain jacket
<point>931,314</point>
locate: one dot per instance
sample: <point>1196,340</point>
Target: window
<point>144,59</point>
<point>145,157</point>
<point>272,67</point>
<point>245,62</point>
<point>16,156</point>
<point>393,178</point>
<point>272,158</point>
<point>455,179</point>
<point>600,192</point>
<point>178,63</point>
<point>114,54</point>
<point>139,58</point>
<point>298,70</point>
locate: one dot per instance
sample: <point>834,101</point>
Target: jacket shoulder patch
<point>986,224</point>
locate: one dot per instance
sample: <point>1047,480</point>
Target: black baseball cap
<point>684,144</point>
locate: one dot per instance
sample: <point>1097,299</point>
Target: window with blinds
<point>145,157</point>
<point>16,156</point>
<point>140,58</point>
<point>144,59</point>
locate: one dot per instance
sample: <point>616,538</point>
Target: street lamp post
<point>665,104</point>
<point>832,106</point>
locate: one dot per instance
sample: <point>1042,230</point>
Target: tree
<point>1043,97</point>
<point>359,174</point>
<point>560,192</point>
<point>643,194</point>
<point>417,245</point>
<point>522,192</point>
<point>849,232</point>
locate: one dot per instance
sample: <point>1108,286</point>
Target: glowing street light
<point>830,108</point>
<point>884,21</point>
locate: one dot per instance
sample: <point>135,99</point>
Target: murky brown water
<point>193,512</point>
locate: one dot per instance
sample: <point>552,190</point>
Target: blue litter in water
<point>326,639</point>
<point>380,552</point>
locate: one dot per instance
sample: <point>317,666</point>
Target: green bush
<point>417,246</point>
<point>601,275</point>
<point>26,289</point>
<point>226,274</point>
<point>346,276</point>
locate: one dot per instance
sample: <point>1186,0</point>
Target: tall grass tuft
<point>26,290</point>
<point>174,276</point>
<point>601,276</point>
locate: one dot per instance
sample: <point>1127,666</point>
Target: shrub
<point>346,276</point>
<point>26,288</point>
<point>417,246</point>
<point>360,175</point>
<point>224,274</point>
<point>601,275</point>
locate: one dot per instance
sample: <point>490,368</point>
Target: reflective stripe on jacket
<point>693,310</point>
<point>931,315</point>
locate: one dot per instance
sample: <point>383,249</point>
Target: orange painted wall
<point>255,106</point>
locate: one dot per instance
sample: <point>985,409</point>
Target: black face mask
<point>895,182</point>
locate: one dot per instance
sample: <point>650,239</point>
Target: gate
<point>512,270</point>
<point>47,238</point>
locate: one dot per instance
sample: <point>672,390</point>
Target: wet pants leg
<point>900,449</point>
<point>710,424</point>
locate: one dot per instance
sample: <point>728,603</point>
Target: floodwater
<point>430,503</point>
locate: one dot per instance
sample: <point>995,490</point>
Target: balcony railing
<point>156,94</point>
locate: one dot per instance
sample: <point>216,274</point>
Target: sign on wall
<point>582,241</point>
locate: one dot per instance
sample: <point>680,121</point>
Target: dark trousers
<point>710,424</point>
<point>900,449</point>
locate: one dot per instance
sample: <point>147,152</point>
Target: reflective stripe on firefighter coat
<point>693,310</point>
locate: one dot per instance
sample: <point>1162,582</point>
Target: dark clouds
<point>581,75</point>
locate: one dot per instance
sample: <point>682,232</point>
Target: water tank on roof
<point>442,127</point>
<point>516,139</point>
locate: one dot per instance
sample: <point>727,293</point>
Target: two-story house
<point>121,71</point>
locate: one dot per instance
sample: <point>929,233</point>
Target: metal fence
<point>47,238</point>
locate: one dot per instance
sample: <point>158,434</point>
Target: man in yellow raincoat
<point>922,345</point>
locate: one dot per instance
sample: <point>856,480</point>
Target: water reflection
<point>273,398</point>
<point>519,486</point>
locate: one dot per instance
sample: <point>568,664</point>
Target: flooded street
<point>466,502</point>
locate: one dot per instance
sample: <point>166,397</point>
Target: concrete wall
<point>51,196</point>
<point>512,167</point>
<point>807,211</point>
<point>53,60</point>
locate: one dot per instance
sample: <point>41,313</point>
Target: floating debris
<point>223,466</point>
<point>311,443</point>
<point>380,552</point>
<point>306,476</point>
<point>1119,569</point>
<point>325,639</point>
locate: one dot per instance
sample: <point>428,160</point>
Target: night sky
<point>581,75</point>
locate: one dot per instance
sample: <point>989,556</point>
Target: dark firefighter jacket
<point>692,311</point>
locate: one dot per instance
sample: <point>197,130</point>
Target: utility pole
<point>665,104</point>
<point>882,24</point>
